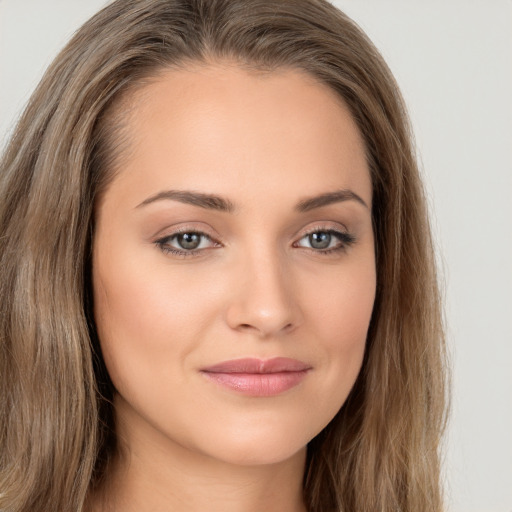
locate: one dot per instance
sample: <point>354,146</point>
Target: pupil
<point>320,240</point>
<point>189,240</point>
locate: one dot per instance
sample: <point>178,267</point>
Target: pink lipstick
<point>257,377</point>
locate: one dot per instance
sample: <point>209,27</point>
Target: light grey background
<point>453,60</point>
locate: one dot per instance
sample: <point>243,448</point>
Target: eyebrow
<point>329,198</point>
<point>208,201</point>
<point>214,202</point>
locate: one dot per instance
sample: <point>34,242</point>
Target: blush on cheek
<point>122,294</point>
<point>344,322</point>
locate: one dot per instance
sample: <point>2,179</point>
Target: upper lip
<point>258,366</point>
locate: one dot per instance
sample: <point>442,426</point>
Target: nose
<point>264,301</point>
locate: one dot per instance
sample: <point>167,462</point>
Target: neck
<point>160,475</point>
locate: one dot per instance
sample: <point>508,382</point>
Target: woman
<point>217,282</point>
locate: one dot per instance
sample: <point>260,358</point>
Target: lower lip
<point>258,384</point>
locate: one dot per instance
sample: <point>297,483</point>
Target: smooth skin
<point>279,263</point>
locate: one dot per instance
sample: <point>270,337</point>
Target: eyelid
<point>162,240</point>
<point>330,227</point>
<point>185,227</point>
<point>345,237</point>
<point>339,231</point>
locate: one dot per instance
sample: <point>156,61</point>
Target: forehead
<point>222,126</point>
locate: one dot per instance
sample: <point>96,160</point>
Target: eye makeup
<point>326,241</point>
<point>187,242</point>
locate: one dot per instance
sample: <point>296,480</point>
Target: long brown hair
<point>381,451</point>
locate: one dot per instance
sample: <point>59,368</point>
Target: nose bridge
<point>264,300</point>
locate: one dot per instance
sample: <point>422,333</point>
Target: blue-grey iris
<point>320,240</point>
<point>189,241</point>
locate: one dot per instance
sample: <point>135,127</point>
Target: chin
<point>260,454</point>
<point>265,443</point>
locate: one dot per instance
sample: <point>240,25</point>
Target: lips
<point>257,377</point>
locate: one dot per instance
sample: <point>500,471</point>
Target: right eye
<point>185,243</point>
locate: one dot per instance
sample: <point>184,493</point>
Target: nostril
<point>267,311</point>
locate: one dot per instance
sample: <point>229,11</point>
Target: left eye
<point>324,240</point>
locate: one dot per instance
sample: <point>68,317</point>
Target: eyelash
<point>345,240</point>
<point>163,243</point>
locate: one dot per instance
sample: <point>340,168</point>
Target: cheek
<point>340,318</point>
<point>150,320</point>
<point>342,304</point>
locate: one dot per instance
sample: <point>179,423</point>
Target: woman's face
<point>234,270</point>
